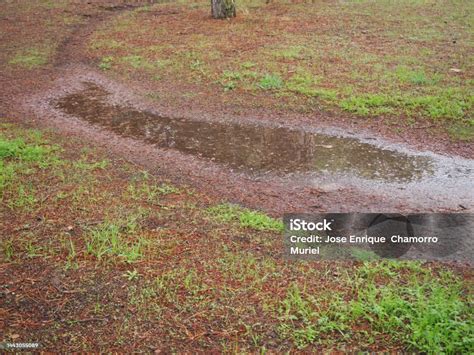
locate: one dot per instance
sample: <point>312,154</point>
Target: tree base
<point>223,8</point>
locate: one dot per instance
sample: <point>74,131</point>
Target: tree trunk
<point>223,8</point>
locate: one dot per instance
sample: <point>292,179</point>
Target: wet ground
<point>249,148</point>
<point>293,156</point>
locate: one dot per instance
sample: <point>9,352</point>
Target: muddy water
<point>250,148</point>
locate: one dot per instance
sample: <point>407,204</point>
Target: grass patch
<point>230,78</point>
<point>231,75</point>
<point>116,239</point>
<point>85,165</point>
<point>106,63</point>
<point>19,157</point>
<point>293,52</point>
<point>270,82</point>
<point>415,77</point>
<point>305,318</point>
<point>245,217</point>
<point>305,83</point>
<point>462,132</point>
<point>426,312</point>
<point>151,193</point>
<point>373,104</point>
<point>137,62</point>
<point>449,104</point>
<point>31,58</point>
<point>245,268</point>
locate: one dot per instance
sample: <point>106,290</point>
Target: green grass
<point>145,191</point>
<point>449,104</point>
<point>428,313</point>
<point>303,82</point>
<point>106,63</point>
<point>106,44</point>
<point>245,217</point>
<point>305,320</point>
<point>270,82</point>
<point>306,84</point>
<point>416,77</point>
<point>137,62</point>
<point>20,157</point>
<point>31,58</point>
<point>230,78</point>
<point>293,52</point>
<point>85,165</point>
<point>112,239</point>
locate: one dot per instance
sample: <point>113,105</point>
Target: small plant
<point>271,82</point>
<point>197,64</point>
<point>192,283</point>
<point>106,63</point>
<point>84,165</point>
<point>245,217</point>
<point>111,239</point>
<point>19,157</point>
<point>8,250</point>
<point>229,79</point>
<point>167,284</point>
<point>71,257</point>
<point>166,189</point>
<point>24,198</point>
<point>248,65</point>
<point>231,75</point>
<point>131,275</point>
<point>230,85</point>
<point>32,250</point>
<point>149,192</point>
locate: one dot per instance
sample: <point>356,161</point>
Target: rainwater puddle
<point>251,148</point>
